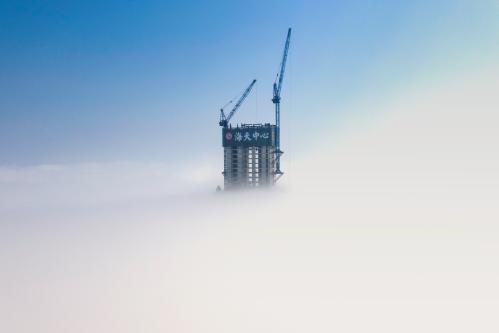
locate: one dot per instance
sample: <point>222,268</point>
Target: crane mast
<point>224,121</point>
<point>277,102</point>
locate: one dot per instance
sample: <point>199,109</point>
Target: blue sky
<point>390,216</point>
<point>95,81</point>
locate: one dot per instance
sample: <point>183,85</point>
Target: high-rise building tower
<point>249,155</point>
<point>252,152</point>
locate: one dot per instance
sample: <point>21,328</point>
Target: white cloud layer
<point>391,227</point>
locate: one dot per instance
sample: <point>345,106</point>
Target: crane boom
<point>277,88</point>
<point>224,121</point>
<point>277,101</point>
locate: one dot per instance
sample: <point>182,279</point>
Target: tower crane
<point>224,120</point>
<point>277,102</point>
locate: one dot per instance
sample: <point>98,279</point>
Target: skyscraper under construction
<point>252,151</point>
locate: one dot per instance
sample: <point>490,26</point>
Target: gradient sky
<point>387,222</point>
<point>94,81</point>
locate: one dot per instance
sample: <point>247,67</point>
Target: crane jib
<point>277,91</point>
<point>224,122</point>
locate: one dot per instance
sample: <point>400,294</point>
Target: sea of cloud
<point>389,227</point>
